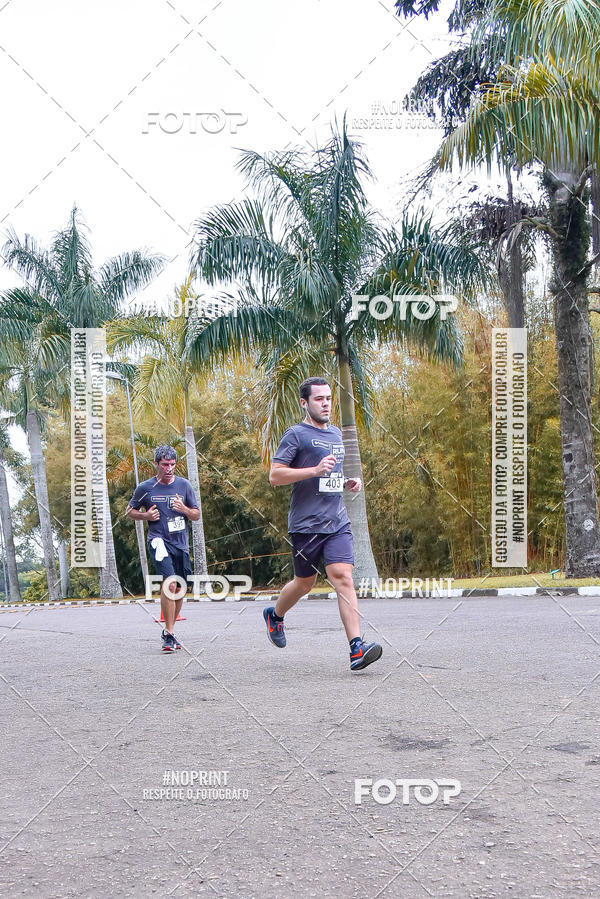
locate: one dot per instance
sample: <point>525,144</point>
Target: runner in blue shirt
<point>168,503</point>
<point>310,456</point>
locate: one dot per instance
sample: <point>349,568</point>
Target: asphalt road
<point>500,694</point>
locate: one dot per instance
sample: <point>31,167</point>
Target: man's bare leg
<point>292,592</point>
<point>340,576</point>
<point>361,654</point>
<point>170,607</point>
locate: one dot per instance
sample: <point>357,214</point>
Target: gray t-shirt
<point>316,505</point>
<point>172,526</point>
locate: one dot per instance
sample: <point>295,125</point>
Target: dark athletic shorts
<point>177,562</point>
<point>309,549</point>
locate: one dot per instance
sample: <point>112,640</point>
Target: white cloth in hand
<point>160,550</point>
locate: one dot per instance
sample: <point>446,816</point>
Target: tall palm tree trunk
<point>570,222</point>
<point>34,438</point>
<point>364,561</point>
<point>510,271</point>
<point>110,585</point>
<point>14,592</point>
<point>198,541</point>
<point>191,458</point>
<point>141,542</point>
<point>63,568</point>
<point>596,218</point>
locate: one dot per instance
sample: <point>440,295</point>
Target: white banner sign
<point>88,447</point>
<point>509,447</point>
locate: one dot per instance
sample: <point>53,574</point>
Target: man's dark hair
<point>306,386</point>
<point>164,451</point>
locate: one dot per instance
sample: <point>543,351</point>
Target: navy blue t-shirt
<point>317,505</point>
<point>172,526</point>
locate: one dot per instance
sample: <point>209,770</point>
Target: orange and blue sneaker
<point>168,642</point>
<point>275,631</point>
<point>363,654</point>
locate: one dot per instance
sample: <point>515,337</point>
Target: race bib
<point>332,484</point>
<point>176,524</point>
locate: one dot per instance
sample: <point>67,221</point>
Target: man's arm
<point>191,512</point>
<point>137,515</point>
<point>281,474</point>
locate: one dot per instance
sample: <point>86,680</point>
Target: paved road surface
<point>500,694</point>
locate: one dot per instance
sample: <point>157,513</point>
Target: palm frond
<point>421,259</point>
<point>20,312</point>
<point>158,387</point>
<point>280,182</point>
<point>237,241</point>
<point>336,182</point>
<point>70,251</point>
<point>84,306</point>
<point>240,333</point>
<point>538,113</point>
<point>362,386</point>
<point>53,351</point>
<point>119,278</point>
<point>137,332</point>
<point>306,279</point>
<point>32,262</point>
<point>280,389</point>
<point>543,29</point>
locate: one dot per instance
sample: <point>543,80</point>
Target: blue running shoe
<point>364,654</point>
<point>275,631</point>
<point>168,643</point>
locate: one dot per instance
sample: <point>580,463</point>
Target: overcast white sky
<point>101,101</point>
<point>100,104</point>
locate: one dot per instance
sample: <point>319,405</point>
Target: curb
<point>80,603</point>
<point>591,590</point>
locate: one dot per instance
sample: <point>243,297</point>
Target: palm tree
<point>62,291</point>
<point>29,368</point>
<point>299,253</point>
<point>163,381</point>
<point>546,106</point>
<point>14,591</point>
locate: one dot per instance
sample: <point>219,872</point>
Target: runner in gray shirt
<point>310,456</point>
<point>167,502</point>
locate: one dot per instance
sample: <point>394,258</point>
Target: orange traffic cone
<point>162,618</point>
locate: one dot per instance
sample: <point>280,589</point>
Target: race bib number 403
<point>332,484</point>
